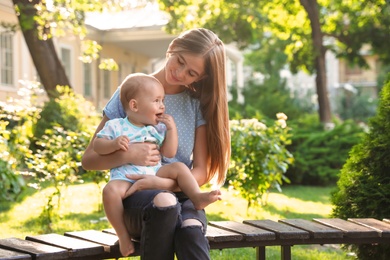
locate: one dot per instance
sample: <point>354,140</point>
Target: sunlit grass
<point>81,209</point>
<point>308,203</point>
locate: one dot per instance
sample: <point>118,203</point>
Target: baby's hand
<point>168,121</point>
<point>122,142</point>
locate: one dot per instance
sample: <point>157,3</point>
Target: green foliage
<point>249,22</point>
<point>56,164</point>
<point>364,186</point>
<point>17,117</point>
<point>63,111</point>
<point>261,92</point>
<point>272,97</point>
<point>59,133</point>
<point>11,184</point>
<point>359,106</point>
<point>68,123</point>
<point>259,157</point>
<point>320,154</point>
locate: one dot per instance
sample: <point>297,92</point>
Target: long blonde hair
<point>211,90</point>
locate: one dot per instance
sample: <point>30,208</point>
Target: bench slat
<point>109,231</point>
<point>251,233</point>
<point>349,228</point>
<point>220,235</point>
<point>282,231</point>
<point>13,255</point>
<point>316,230</point>
<point>76,247</point>
<point>381,227</point>
<point>108,241</point>
<point>37,250</point>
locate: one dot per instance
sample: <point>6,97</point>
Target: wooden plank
<point>250,233</point>
<point>282,231</point>
<point>108,241</point>
<point>109,231</point>
<point>214,234</point>
<point>13,255</point>
<point>316,230</point>
<point>37,250</point>
<point>76,247</point>
<point>349,228</point>
<point>381,227</point>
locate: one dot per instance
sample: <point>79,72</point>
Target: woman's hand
<point>144,154</point>
<point>151,182</point>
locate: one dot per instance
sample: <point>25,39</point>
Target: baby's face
<point>151,102</point>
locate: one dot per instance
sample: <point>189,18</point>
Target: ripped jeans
<point>159,229</point>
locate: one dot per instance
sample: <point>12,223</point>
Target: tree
<point>40,21</point>
<point>304,24</point>
<point>42,50</point>
<point>363,189</point>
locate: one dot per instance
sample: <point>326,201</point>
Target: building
<point>134,39</point>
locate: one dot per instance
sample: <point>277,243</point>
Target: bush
<point>11,184</point>
<point>363,190</point>
<point>320,154</point>
<point>259,157</point>
<point>69,111</point>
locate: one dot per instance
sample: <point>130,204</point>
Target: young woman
<point>162,217</point>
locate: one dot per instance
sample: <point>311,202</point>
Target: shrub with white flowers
<point>259,157</point>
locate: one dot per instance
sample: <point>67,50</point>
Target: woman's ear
<point>133,105</point>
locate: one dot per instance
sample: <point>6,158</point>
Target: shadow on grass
<point>289,214</point>
<point>308,193</point>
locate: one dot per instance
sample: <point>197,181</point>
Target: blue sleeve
<point>108,131</point>
<point>113,108</point>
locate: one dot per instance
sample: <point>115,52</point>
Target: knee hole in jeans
<point>164,199</point>
<point>192,223</point>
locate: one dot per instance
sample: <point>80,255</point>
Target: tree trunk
<point>43,53</point>
<point>311,7</point>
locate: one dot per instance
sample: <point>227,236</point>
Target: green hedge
<point>320,154</point>
<point>363,190</point>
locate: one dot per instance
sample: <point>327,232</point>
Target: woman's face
<point>184,69</point>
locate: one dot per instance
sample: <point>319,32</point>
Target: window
<point>106,84</point>
<point>66,61</point>
<point>87,79</point>
<point>6,58</point>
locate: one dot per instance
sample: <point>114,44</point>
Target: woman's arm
<point>138,153</point>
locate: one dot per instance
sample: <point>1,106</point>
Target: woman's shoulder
<point>113,108</point>
<point>182,97</point>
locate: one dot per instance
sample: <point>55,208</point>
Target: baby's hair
<point>133,85</point>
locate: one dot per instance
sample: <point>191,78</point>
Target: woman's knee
<point>165,199</point>
<point>191,222</point>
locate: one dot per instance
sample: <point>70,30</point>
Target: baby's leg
<point>187,183</point>
<point>113,193</point>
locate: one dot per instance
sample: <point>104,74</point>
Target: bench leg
<point>260,253</point>
<point>286,252</point>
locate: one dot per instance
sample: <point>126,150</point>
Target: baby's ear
<point>133,105</point>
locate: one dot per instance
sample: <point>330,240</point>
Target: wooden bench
<point>93,244</point>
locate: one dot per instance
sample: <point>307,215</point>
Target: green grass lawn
<point>80,205</point>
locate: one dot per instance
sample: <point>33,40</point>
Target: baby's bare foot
<point>204,199</point>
